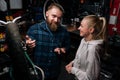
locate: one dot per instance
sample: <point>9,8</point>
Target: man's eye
<point>54,16</point>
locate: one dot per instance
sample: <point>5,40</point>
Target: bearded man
<point>50,40</point>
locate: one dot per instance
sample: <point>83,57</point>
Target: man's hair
<point>52,5</point>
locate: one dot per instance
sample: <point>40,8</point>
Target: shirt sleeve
<point>32,31</point>
<point>91,69</point>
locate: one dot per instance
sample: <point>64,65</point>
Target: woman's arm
<point>91,70</point>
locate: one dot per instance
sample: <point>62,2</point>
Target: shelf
<point>2,41</point>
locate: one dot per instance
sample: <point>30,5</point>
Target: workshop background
<point>32,11</point>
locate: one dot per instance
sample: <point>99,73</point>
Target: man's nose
<point>56,20</point>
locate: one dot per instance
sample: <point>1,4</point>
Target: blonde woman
<point>86,65</point>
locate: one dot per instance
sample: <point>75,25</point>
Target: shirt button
<point>52,40</point>
<point>50,50</point>
<point>49,61</point>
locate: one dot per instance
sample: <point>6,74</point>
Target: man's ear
<point>46,13</point>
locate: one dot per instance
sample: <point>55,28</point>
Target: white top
<point>86,65</point>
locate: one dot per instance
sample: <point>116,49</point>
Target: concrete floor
<point>64,75</point>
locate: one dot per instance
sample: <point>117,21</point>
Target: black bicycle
<point>22,66</point>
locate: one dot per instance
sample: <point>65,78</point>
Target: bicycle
<point>22,66</point>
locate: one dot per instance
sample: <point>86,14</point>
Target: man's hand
<point>30,43</point>
<point>60,50</point>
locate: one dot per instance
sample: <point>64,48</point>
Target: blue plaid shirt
<point>46,42</point>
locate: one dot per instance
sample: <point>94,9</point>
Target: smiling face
<point>93,27</point>
<point>53,18</point>
<point>85,30</point>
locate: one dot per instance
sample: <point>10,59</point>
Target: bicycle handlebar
<point>3,22</point>
<point>16,19</point>
<point>13,21</point>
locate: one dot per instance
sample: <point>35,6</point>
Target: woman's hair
<point>99,25</point>
<point>56,5</point>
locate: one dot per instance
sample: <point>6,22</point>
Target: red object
<point>18,13</point>
<point>114,21</point>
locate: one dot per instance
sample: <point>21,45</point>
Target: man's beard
<point>52,25</point>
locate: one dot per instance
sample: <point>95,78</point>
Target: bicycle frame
<point>21,63</point>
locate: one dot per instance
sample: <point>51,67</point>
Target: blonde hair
<point>99,25</point>
<point>52,5</point>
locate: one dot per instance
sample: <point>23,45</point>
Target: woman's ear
<point>91,30</point>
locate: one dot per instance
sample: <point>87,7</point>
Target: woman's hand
<point>69,67</point>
